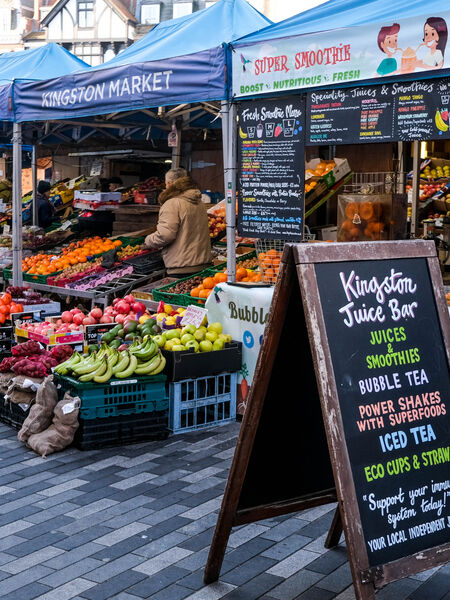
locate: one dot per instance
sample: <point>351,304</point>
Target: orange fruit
<point>195,292</point>
<point>267,261</point>
<point>220,277</point>
<point>241,273</point>
<point>272,252</point>
<point>204,293</point>
<point>208,283</point>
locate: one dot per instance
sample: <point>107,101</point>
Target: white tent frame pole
<point>415,189</point>
<point>230,191</point>
<point>17,204</point>
<point>34,184</point>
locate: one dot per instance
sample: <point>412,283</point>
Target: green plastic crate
<point>239,259</point>
<point>137,394</point>
<point>131,241</point>
<point>7,275</point>
<point>181,299</point>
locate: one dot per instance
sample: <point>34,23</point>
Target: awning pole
<point>17,204</point>
<point>34,184</point>
<point>415,189</point>
<point>230,193</point>
<point>176,150</point>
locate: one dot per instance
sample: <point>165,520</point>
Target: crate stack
<point>120,411</point>
<point>202,387</point>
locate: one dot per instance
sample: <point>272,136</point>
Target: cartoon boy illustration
<point>435,40</point>
<point>388,43</point>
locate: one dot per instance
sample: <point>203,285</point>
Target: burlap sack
<point>19,397</point>
<point>41,413</point>
<point>5,381</point>
<point>23,383</point>
<point>61,432</point>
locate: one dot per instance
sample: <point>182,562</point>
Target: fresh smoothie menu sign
<point>393,385</point>
<point>271,169</point>
<point>417,110</point>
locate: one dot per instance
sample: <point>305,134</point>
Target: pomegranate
<point>106,319</point>
<point>89,320</point>
<point>123,307</point>
<point>138,307</point>
<point>96,313</point>
<point>129,298</point>
<point>119,318</point>
<point>78,318</point>
<point>67,316</point>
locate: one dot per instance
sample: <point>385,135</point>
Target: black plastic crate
<point>124,429</point>
<point>146,263</point>
<point>11,414</point>
<point>188,364</point>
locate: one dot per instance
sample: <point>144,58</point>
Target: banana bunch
<point>141,358</point>
<point>440,123</point>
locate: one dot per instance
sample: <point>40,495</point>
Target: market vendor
<point>182,232</point>
<point>46,210</point>
<point>115,183</point>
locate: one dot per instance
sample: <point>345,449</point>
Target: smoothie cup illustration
<point>259,130</point>
<point>270,128</point>
<point>251,132</point>
<point>288,127</point>
<point>409,59</point>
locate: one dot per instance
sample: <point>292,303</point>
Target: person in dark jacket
<point>46,212</point>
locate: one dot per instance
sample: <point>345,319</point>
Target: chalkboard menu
<point>417,110</point>
<point>271,168</point>
<point>393,390</point>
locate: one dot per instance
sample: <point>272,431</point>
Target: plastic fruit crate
<point>7,275</point>
<point>12,414</point>
<point>203,402</point>
<point>181,299</point>
<point>123,429</point>
<point>131,396</point>
<point>131,241</point>
<point>188,364</point>
<point>239,258</point>
<point>146,263</point>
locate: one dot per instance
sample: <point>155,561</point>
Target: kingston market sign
<point>342,56</point>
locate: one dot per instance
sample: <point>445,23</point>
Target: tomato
<point>2,318</point>
<point>4,310</point>
<point>19,308</point>
<point>14,309</point>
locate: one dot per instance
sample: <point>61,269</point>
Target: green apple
<point>228,338</point>
<point>160,339</point>
<point>193,344</point>
<point>187,337</point>
<point>218,344</point>
<point>211,336</point>
<point>189,329</point>
<point>217,327</point>
<point>173,333</point>
<point>206,346</point>
<point>202,328</point>
<point>169,345</point>
<point>199,335</point>
<point>178,347</point>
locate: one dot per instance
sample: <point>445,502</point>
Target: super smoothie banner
<point>343,55</point>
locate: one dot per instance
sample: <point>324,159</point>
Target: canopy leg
<point>230,189</point>
<point>34,184</point>
<point>17,205</point>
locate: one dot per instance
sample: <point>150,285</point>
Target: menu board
<point>271,168</point>
<point>393,392</point>
<point>405,111</point>
<point>350,116</point>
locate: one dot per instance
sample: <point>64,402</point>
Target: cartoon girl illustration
<point>388,43</point>
<point>435,39</point>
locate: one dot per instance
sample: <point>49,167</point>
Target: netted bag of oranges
<point>269,264</point>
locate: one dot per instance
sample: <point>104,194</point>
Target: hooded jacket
<point>182,231</point>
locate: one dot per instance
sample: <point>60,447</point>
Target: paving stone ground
<point>136,522</point>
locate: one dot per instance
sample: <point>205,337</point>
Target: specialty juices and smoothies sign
<point>394,393</point>
<point>271,169</point>
<point>391,48</point>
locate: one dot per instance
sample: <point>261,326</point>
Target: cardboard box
<point>98,196</point>
<point>341,169</point>
<point>328,233</point>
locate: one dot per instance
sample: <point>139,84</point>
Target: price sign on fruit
<point>194,315</point>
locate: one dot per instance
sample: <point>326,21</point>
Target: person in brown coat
<point>182,232</point>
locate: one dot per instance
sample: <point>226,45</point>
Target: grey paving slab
<point>136,522</point>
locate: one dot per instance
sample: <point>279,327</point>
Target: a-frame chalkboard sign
<point>351,401</point>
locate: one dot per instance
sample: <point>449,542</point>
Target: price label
<point>66,225</point>
<point>93,333</point>
<point>6,229</point>
<point>26,316</point>
<point>194,315</point>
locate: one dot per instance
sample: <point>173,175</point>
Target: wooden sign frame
<point>298,267</point>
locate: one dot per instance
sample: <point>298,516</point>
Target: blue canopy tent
<point>341,43</point>
<point>182,62</point>
<point>16,68</point>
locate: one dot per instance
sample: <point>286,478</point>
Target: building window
<point>14,20</point>
<point>150,14</point>
<point>181,9</point>
<point>5,20</point>
<point>90,53</point>
<point>86,13</point>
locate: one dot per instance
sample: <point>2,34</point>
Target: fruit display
<point>145,192</point>
<point>310,186</point>
<point>8,307</point>
<point>140,358</point>
<point>129,251</point>
<point>428,190</point>
<point>321,169</point>
<point>437,172</point>
<point>50,332</point>
<point>205,288</point>
<point>73,254</point>
<point>129,330</point>
<point>31,360</point>
<point>76,272</point>
<point>100,277</point>
<point>199,339</point>
<point>269,264</point>
<point>24,296</point>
